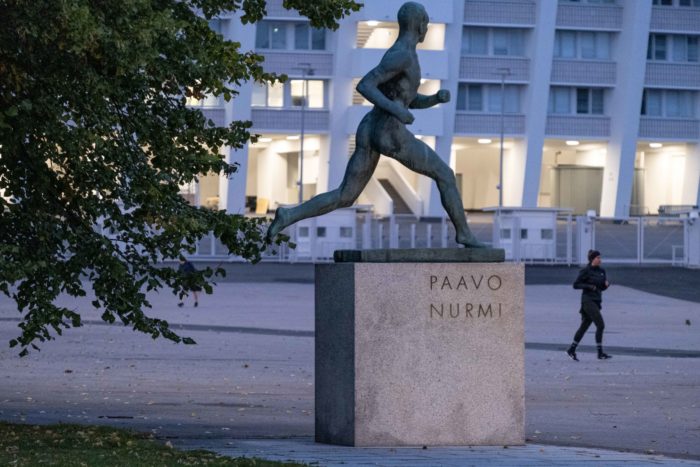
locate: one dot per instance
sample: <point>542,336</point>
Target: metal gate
<point>641,240</point>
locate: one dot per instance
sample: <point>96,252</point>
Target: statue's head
<point>413,17</point>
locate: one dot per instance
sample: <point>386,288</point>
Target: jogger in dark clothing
<point>592,281</point>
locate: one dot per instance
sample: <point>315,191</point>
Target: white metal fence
<point>634,240</point>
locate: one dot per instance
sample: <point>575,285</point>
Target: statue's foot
<point>470,241</point>
<point>277,225</point>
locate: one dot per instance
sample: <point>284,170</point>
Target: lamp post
<point>504,72</point>
<point>306,70</point>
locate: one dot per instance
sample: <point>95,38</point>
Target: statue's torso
<point>403,87</point>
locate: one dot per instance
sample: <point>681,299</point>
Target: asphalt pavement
<point>246,388</point>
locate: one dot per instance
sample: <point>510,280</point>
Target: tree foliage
<point>96,140</point>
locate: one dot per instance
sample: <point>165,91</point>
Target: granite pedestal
<point>419,353</point>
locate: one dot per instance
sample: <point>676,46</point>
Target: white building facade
<point>598,102</point>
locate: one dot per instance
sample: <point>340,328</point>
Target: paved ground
<point>247,387</point>
<point>667,281</point>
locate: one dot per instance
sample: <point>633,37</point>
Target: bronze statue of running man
<point>393,89</point>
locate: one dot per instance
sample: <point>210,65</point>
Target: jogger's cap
<point>593,254</point>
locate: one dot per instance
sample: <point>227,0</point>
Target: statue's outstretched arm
<point>392,64</point>
<point>423,102</point>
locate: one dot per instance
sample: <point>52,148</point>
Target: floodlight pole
<point>306,70</point>
<point>503,72</point>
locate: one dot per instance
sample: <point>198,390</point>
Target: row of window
<point>562,100</point>
<point>285,35</point>
<point>280,35</point>
<point>599,2</point>
<point>593,45</point>
<point>668,103</point>
<point>582,101</point>
<point>673,47</point>
<point>693,3</point>
<point>486,98</point>
<point>582,44</point>
<point>493,41</point>
<point>290,94</point>
<point>682,3</point>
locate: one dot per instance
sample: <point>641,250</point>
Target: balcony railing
<point>517,13</point>
<point>433,63</point>
<point>669,128</point>
<point>672,75</point>
<point>276,10</point>
<point>217,115</point>
<point>586,16</point>
<point>675,19</point>
<point>288,62</point>
<point>584,126</point>
<point>484,68</point>
<point>289,120</point>
<point>583,72</point>
<point>489,124</point>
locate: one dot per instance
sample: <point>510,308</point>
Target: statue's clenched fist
<point>443,95</point>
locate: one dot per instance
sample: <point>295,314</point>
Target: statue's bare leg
<point>419,157</point>
<point>357,174</point>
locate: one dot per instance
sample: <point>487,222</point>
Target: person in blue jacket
<point>591,281</point>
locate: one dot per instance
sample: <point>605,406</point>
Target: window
<point>382,34</point>
<point>679,104</point>
<point>668,103</point>
<point>511,100</point>
<point>346,232</point>
<point>676,47</point>
<point>314,90</point>
<point>470,97</point>
<point>682,3</point>
<point>692,51</point>
<point>559,100</point>
<point>306,37</point>
<point>289,94</point>
<point>208,101</point>
<point>493,41</point>
<point>487,98</point>
<point>565,44</point>
<point>685,48</point>
<point>268,95</point>
<point>582,44</point>
<point>508,42</point>
<point>651,102</point>
<point>274,34</point>
<point>587,100</point>
<point>656,49</point>
<point>475,41</point>
<point>271,35</point>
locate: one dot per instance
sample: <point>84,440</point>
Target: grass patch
<point>79,445</point>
